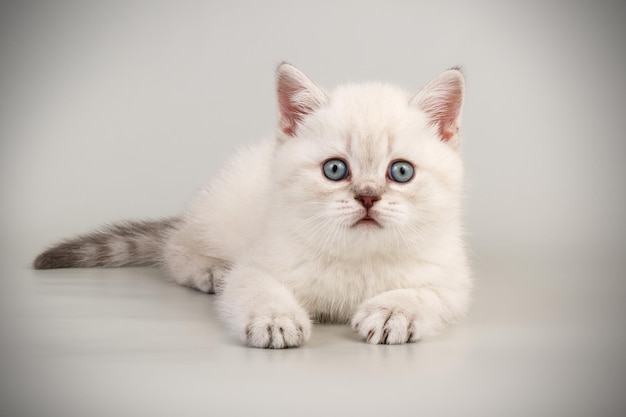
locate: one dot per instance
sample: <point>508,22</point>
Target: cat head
<point>368,166</point>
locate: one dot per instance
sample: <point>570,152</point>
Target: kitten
<point>351,213</point>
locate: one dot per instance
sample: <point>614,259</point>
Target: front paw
<point>277,330</point>
<point>378,324</point>
<point>401,316</point>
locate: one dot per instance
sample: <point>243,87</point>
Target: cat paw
<point>207,279</point>
<point>384,325</point>
<point>210,281</point>
<point>278,331</point>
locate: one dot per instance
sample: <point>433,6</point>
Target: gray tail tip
<point>53,259</point>
<point>44,261</point>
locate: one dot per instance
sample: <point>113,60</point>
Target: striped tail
<point>125,244</point>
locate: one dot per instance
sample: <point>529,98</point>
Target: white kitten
<point>350,214</point>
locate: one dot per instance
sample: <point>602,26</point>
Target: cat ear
<point>297,95</point>
<point>442,101</point>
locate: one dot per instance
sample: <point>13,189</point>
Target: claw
<point>270,343</point>
<point>385,336</point>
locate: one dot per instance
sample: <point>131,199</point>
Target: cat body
<point>351,213</point>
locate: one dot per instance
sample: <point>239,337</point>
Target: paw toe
<point>383,326</point>
<point>276,332</point>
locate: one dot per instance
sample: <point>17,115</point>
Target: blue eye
<point>335,169</point>
<point>401,171</point>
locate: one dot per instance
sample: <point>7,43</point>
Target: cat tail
<point>131,243</point>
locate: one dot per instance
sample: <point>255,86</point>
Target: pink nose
<point>367,200</point>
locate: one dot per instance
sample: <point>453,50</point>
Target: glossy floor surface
<point>544,338</point>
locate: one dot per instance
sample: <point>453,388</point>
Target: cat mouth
<point>367,221</point>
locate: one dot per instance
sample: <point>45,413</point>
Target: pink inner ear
<point>448,118</point>
<point>298,97</point>
<point>291,111</point>
<point>448,134</point>
<point>444,111</point>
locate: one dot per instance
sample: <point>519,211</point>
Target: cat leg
<point>186,263</point>
<point>407,315</point>
<point>262,312</point>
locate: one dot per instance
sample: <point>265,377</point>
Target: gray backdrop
<point>121,109</point>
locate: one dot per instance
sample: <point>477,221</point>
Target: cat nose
<point>367,201</point>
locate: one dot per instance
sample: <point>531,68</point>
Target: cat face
<point>364,168</point>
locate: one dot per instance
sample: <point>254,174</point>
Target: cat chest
<point>333,290</point>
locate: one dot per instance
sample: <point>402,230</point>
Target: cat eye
<point>401,171</point>
<point>335,169</point>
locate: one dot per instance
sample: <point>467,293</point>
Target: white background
<point>121,109</point>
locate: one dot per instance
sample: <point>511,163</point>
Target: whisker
<point>316,230</point>
<point>302,226</point>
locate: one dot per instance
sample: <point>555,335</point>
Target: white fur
<point>275,238</point>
